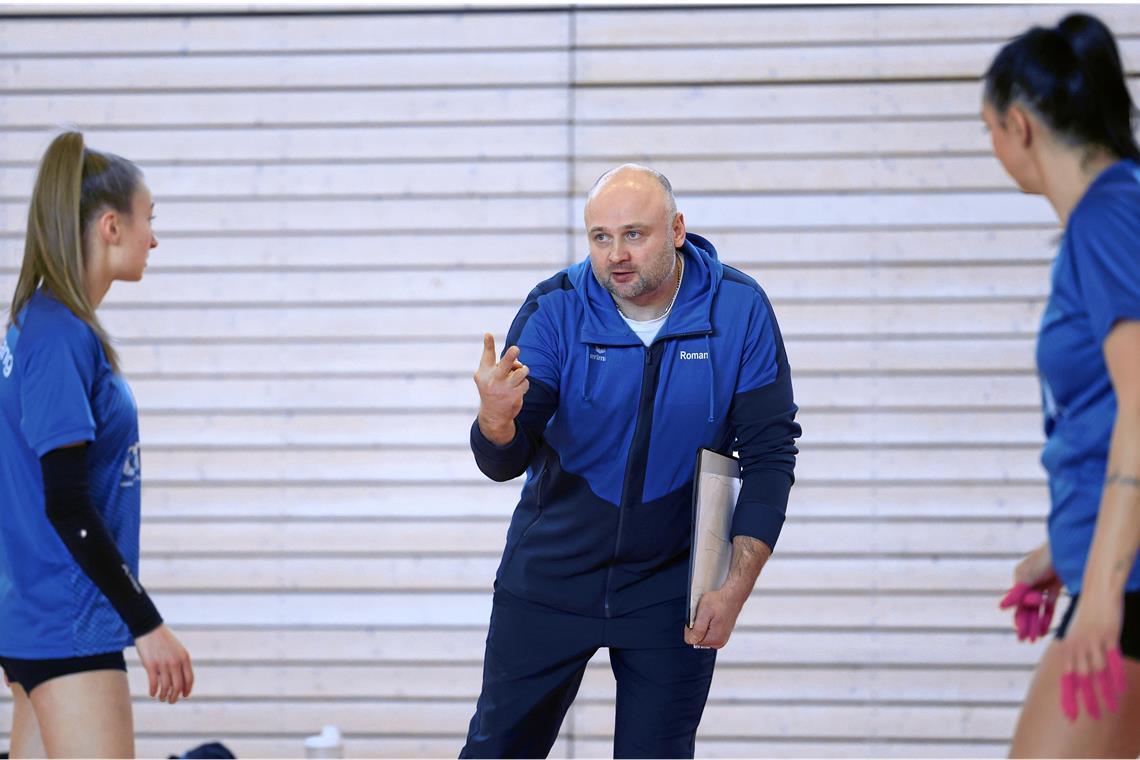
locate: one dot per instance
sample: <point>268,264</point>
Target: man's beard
<point>647,281</point>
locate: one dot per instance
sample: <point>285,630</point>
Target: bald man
<point>617,370</point>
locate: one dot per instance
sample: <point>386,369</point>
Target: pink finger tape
<point>1033,621</point>
<point>1116,671</point>
<point>1107,690</point>
<point>1089,693</point>
<point>1069,695</point>
<point>1013,596</point>
<point>1024,618</point>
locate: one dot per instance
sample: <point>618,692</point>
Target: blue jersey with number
<point>57,388</point>
<point>1096,283</point>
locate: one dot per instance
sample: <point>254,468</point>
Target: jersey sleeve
<point>536,333</point>
<point>58,363</point>
<point>1105,245</point>
<point>763,419</point>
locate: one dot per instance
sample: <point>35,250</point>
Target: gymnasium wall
<point>347,200</point>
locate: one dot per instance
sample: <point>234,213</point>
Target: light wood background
<point>347,201</point>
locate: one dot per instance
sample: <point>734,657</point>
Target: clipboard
<point>716,487</point>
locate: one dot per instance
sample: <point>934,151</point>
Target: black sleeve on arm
<point>67,499</point>
<point>506,462</point>
<point>766,431</point>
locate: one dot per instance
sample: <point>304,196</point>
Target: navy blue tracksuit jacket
<point>609,430</point>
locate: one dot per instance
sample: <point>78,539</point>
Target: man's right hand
<point>502,385</point>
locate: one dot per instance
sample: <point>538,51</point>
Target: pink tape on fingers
<point>1021,622</point>
<point>1047,616</point>
<point>1032,622</point>
<point>1069,695</point>
<point>1089,693</point>
<point>1115,668</point>
<point>1107,690</point>
<point>1032,599</point>
<point>1013,596</point>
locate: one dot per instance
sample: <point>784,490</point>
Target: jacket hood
<point>692,311</point>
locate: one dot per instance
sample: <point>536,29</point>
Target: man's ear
<point>678,230</point>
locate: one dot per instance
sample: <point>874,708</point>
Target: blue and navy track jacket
<point>609,431</point>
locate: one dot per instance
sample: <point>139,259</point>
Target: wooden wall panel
<point>346,201</point>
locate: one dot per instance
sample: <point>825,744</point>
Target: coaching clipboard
<point>716,486</point>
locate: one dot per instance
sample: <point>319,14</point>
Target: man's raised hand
<point>502,384</point>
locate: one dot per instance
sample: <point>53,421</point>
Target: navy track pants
<point>536,657</point>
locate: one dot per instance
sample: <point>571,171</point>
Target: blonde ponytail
<point>74,184</point>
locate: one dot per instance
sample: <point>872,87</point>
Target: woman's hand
<point>167,664</point>
<point>1091,652</point>
<point>1034,594</point>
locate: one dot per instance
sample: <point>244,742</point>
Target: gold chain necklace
<point>676,290</point>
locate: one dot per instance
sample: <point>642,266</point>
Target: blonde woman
<point>70,471</point>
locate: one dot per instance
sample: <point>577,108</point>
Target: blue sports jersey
<point>1096,283</point>
<point>57,388</point>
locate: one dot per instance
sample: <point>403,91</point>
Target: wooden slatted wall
<point>346,201</point>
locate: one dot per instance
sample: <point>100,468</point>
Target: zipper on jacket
<point>638,450</point>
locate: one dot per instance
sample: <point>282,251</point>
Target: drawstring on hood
<point>586,376</point>
<point>712,379</point>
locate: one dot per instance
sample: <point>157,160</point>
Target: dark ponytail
<point>1070,76</point>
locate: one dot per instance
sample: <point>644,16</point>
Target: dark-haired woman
<point>70,471</point>
<point>1060,117</point>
